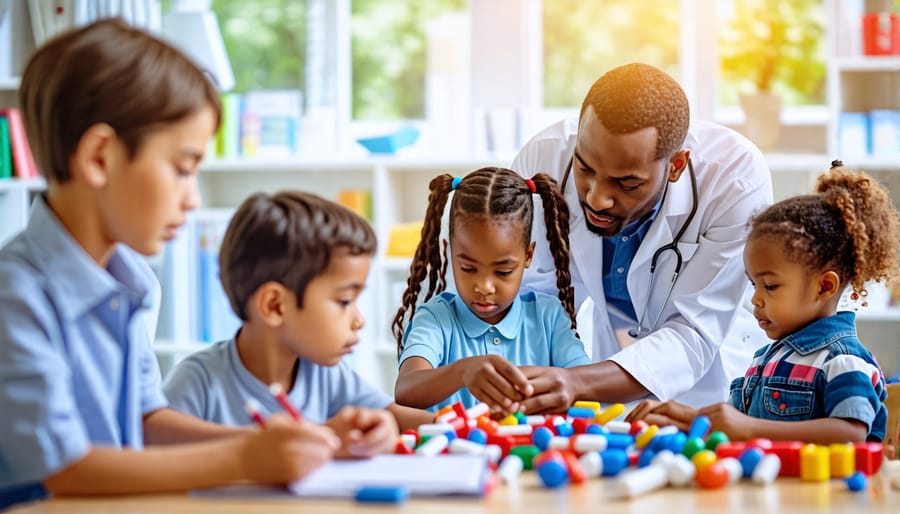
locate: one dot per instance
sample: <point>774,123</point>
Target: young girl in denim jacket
<point>816,382</point>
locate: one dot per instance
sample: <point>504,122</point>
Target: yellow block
<point>509,420</point>
<point>612,412</point>
<point>595,406</point>
<point>843,460</point>
<point>815,463</point>
<point>404,239</point>
<point>646,435</point>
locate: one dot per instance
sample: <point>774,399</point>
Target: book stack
<point>260,124</point>
<point>16,159</point>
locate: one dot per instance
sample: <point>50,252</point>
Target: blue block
<point>382,494</point>
<point>749,458</point>
<point>620,441</point>
<point>646,457</point>
<point>581,412</point>
<point>594,428</point>
<point>565,430</point>
<point>699,427</point>
<point>477,435</point>
<point>857,481</point>
<point>541,437</point>
<point>553,473</point>
<point>614,461</point>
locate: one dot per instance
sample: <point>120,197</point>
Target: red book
<point>23,160</point>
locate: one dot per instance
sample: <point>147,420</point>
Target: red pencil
<point>278,392</point>
<point>253,409</point>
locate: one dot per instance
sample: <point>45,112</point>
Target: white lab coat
<point>706,334</point>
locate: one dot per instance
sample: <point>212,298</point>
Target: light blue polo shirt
<point>76,364</point>
<point>536,331</point>
<point>214,384</point>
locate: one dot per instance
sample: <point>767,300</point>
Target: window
<point>389,61</point>
<point>772,45</point>
<point>265,41</point>
<point>583,40</point>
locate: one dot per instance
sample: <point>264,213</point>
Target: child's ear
<point>93,155</point>
<point>270,302</point>
<point>529,254</point>
<point>829,285</point>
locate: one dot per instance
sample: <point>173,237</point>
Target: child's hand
<point>284,450</point>
<point>496,382</point>
<point>663,413</point>
<point>364,432</point>
<point>725,418</point>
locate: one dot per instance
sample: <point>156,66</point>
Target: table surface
<point>785,495</point>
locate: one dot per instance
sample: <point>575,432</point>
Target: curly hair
<point>287,237</point>
<point>636,96</point>
<point>499,193</point>
<point>849,226</point>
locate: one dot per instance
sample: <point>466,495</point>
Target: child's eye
<point>467,269</point>
<point>344,303</point>
<point>183,172</point>
<point>771,287</point>
<point>504,273</point>
<point>629,188</point>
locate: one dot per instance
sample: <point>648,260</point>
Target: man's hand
<point>364,432</point>
<point>552,391</point>
<point>496,382</point>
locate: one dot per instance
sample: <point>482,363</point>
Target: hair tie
<point>531,185</point>
<point>454,183</point>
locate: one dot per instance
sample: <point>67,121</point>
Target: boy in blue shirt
<point>118,121</point>
<point>293,266</point>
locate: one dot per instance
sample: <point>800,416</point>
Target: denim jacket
<point>822,370</point>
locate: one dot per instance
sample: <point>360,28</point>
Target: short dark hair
<point>288,238</point>
<point>636,96</point>
<point>106,72</point>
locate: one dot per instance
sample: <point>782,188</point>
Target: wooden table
<point>788,495</point>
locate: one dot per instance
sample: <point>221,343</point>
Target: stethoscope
<point>641,330</point>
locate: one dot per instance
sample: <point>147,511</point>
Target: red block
<point>730,449</point>
<point>503,441</point>
<point>789,453</point>
<point>580,424</point>
<point>637,427</point>
<point>520,440</point>
<point>762,444</point>
<point>576,473</point>
<point>460,410</point>
<point>868,457</point>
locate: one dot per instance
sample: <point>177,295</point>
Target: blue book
<point>217,320</point>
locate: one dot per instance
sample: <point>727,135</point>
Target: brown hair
<point>497,193</point>
<point>106,72</point>
<point>849,226</point>
<point>288,238</point>
<point>636,96</point>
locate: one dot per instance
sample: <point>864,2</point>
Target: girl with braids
<point>816,382</point>
<point>467,346</point>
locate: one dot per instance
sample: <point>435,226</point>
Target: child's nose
<point>359,321</point>
<point>484,286</point>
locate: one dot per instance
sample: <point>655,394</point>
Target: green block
<point>692,446</point>
<point>527,453</point>
<point>715,439</point>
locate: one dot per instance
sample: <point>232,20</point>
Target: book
<point>270,123</point>
<point>453,475</point>
<point>23,160</point>
<point>217,320</point>
<point>6,165</point>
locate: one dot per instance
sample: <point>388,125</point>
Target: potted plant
<point>773,49</point>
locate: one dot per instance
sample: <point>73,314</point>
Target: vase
<point>762,115</point>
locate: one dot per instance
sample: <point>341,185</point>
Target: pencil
<point>253,409</point>
<point>278,392</point>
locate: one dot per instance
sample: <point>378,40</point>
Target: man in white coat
<point>668,332</point>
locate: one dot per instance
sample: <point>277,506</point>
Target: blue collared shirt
<point>822,370</point>
<point>618,252</point>
<point>213,384</point>
<point>535,332</point>
<point>76,361</point>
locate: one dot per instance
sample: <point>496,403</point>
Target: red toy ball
<point>713,476</point>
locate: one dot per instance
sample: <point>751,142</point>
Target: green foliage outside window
<point>389,61</point>
<point>774,45</point>
<point>585,39</point>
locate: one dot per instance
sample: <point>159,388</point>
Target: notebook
<point>460,475</point>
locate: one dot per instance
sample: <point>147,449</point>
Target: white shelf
<point>9,83</point>
<point>797,162</point>
<point>15,184</point>
<point>864,63</point>
<point>396,263</point>
<point>302,164</point>
<point>889,314</point>
<point>168,347</point>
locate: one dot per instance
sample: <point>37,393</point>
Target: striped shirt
<point>822,370</point>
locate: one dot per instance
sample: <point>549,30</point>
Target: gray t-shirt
<point>214,385</point>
